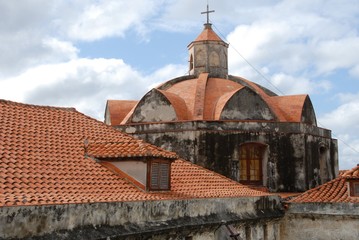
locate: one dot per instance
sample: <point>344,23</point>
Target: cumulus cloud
<point>344,122</point>
<point>85,84</point>
<point>82,83</point>
<point>40,32</point>
<point>112,18</point>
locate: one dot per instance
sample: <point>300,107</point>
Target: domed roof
<point>210,94</point>
<point>190,98</point>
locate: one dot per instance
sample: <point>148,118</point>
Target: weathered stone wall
<point>126,220</point>
<point>210,57</point>
<point>246,105</point>
<point>293,162</point>
<point>263,230</point>
<point>321,221</point>
<point>154,107</point>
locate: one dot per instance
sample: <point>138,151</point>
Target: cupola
<point>208,53</point>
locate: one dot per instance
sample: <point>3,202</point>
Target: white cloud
<point>112,18</point>
<point>345,117</point>
<point>335,54</point>
<point>166,73</point>
<point>344,123</point>
<point>41,32</point>
<point>85,84</point>
<point>298,85</point>
<point>82,83</point>
<point>62,49</point>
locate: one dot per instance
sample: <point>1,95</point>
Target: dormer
<point>353,187</point>
<point>144,165</point>
<point>352,180</point>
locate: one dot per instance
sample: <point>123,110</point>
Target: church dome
<point>208,93</point>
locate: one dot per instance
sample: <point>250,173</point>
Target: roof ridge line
<point>37,106</point>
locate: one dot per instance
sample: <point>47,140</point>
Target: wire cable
<point>281,92</point>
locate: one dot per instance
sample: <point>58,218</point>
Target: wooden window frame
<point>262,148</point>
<point>353,184</point>
<point>160,177</point>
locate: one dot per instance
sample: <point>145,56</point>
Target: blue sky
<point>81,53</point>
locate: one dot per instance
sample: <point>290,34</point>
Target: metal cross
<point>207,12</point>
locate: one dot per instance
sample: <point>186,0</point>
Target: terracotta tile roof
<point>334,191</point>
<point>208,35</point>
<point>352,174</point>
<point>190,180</point>
<point>204,98</point>
<point>127,149</point>
<point>178,104</point>
<point>341,172</point>
<point>289,107</point>
<point>119,110</point>
<point>286,108</point>
<point>43,161</point>
<point>217,91</point>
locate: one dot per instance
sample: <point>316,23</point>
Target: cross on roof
<point>207,12</point>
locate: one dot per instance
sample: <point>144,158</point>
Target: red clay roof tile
<point>351,174</point>
<point>203,98</point>
<point>119,109</point>
<point>208,35</point>
<point>333,191</point>
<point>43,161</point>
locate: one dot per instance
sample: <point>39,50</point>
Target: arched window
<point>250,163</point>
<point>191,62</point>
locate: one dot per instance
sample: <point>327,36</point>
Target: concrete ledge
<point>130,217</point>
<point>235,126</point>
<point>340,209</point>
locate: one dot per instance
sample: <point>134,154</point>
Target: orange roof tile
<point>208,35</point>
<point>352,174</point>
<point>178,104</point>
<point>127,149</point>
<point>333,191</point>
<point>291,107</point>
<point>118,110</point>
<point>203,98</point>
<point>286,108</point>
<point>43,161</point>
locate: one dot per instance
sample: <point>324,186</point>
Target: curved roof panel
<point>205,97</point>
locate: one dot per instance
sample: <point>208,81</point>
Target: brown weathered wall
<point>245,105</point>
<point>154,107</point>
<point>292,160</point>
<point>321,221</point>
<point>126,219</point>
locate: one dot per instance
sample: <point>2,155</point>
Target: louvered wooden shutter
<point>160,176</point>
<point>155,175</point>
<point>164,176</point>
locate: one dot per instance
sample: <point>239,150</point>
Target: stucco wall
<point>154,107</point>
<point>321,221</point>
<point>245,105</point>
<point>162,218</point>
<point>212,55</point>
<point>292,156</point>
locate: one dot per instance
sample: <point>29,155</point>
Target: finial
<point>207,12</point>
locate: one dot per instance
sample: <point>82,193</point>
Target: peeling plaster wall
<point>154,107</point>
<point>197,217</point>
<point>265,230</point>
<point>245,105</point>
<point>213,52</point>
<point>292,156</point>
<point>321,221</point>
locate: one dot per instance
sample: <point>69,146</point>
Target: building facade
<point>231,125</point>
